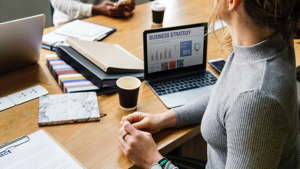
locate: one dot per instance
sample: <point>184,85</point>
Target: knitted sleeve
<point>192,112</point>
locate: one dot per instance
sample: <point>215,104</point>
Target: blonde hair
<point>280,15</point>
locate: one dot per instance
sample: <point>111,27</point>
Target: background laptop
<point>175,63</point>
<point>20,42</point>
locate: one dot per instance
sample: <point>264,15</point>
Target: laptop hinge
<point>172,75</point>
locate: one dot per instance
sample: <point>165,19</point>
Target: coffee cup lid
<point>130,77</point>
<point>158,7</point>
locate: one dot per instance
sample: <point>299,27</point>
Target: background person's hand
<point>138,146</point>
<point>109,9</point>
<point>130,7</point>
<point>142,121</point>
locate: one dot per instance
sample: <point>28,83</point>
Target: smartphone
<point>218,64</point>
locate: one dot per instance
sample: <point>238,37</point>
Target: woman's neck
<point>244,31</point>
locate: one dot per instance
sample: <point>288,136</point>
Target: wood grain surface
<point>95,144</point>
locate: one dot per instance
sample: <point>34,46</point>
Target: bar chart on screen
<point>160,53</point>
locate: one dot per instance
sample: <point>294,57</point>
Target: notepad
<point>68,108</point>
<point>107,56</point>
<point>37,150</point>
<point>77,29</point>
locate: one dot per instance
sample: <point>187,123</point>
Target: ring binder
<point>14,141</point>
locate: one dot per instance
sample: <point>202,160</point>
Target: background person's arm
<point>73,9</point>
<point>77,10</point>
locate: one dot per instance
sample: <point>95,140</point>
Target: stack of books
<point>94,66</point>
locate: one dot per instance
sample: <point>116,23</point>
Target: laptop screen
<point>175,48</point>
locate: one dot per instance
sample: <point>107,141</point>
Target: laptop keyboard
<point>174,85</point>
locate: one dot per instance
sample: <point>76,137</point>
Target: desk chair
<point>16,9</point>
<point>298,152</point>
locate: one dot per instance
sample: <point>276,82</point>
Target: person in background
<point>67,10</point>
<point>250,119</point>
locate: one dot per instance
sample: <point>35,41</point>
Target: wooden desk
<point>95,144</point>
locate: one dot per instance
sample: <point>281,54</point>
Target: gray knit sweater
<point>250,119</point>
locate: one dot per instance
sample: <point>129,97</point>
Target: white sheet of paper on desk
<point>82,30</point>
<point>52,37</point>
<point>40,152</point>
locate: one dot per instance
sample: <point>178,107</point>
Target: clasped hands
<point>111,9</point>
<point>135,139</point>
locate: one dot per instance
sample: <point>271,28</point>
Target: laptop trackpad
<point>173,100</point>
<point>190,95</point>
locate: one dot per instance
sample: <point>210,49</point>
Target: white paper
<point>52,38</point>
<point>40,152</point>
<point>124,50</point>
<point>82,30</point>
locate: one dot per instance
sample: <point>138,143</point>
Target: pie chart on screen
<point>197,46</point>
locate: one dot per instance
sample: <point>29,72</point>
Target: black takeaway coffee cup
<point>128,92</point>
<point>158,11</point>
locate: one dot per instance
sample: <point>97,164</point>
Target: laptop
<point>175,63</point>
<point>20,42</point>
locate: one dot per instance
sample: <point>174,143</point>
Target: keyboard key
<point>188,88</point>
<point>159,90</point>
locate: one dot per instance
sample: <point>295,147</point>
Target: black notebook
<point>89,70</point>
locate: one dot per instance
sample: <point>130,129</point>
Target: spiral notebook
<point>37,150</point>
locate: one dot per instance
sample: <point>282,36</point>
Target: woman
<point>250,119</point>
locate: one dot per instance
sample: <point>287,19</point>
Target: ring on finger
<point>125,135</point>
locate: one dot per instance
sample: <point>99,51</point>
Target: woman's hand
<point>151,123</point>
<point>138,146</point>
<point>143,121</point>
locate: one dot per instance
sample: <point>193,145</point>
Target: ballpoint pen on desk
<point>13,141</point>
<point>52,47</point>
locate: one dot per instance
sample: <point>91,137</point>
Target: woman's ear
<point>233,4</point>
